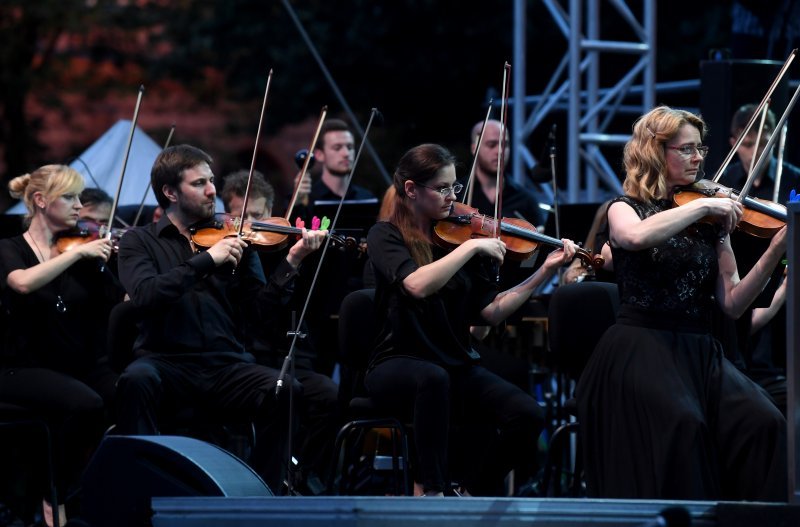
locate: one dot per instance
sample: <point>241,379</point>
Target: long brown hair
<point>420,165</point>
<point>644,157</point>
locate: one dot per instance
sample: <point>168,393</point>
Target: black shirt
<point>516,199</point>
<point>68,336</point>
<point>188,304</point>
<point>321,192</point>
<point>435,328</point>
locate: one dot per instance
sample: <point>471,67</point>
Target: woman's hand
<point>100,248</point>
<point>310,242</point>
<point>726,210</point>
<point>492,247</point>
<point>560,257</point>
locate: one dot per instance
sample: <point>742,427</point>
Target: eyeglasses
<point>689,150</point>
<point>445,191</point>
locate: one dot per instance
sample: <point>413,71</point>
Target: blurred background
<point>70,69</point>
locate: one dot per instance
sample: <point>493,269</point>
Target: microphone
<point>670,517</point>
<point>551,137</point>
<point>300,158</point>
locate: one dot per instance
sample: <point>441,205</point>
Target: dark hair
<point>420,165</point>
<point>169,166</point>
<point>331,125</point>
<point>94,196</point>
<point>743,116</point>
<point>236,185</point>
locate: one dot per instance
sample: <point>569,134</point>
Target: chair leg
<point>554,457</point>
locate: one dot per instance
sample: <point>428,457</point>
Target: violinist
<point>750,341</point>
<point>57,306</point>
<point>427,298</point>
<point>96,206</point>
<point>663,413</point>
<point>194,312</point>
<point>319,415</point>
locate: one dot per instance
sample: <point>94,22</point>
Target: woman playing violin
<point>428,298</point>
<point>57,306</point>
<point>663,414</point>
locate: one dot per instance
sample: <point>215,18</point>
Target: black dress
<point>425,367</point>
<point>663,414</point>
<point>53,354</point>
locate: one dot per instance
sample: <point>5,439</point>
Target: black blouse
<point>435,328</point>
<point>61,325</point>
<point>676,278</point>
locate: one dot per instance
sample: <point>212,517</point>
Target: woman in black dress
<point>57,307</point>
<point>423,364</point>
<point>663,414</point>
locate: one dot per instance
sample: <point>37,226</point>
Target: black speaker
<point>126,471</point>
<point>725,85</point>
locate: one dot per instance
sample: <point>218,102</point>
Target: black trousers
<point>436,397</point>
<point>156,386</point>
<point>70,407</point>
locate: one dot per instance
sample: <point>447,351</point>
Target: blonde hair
<point>644,156</point>
<point>51,180</point>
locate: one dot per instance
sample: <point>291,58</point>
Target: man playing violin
<point>57,306</point>
<point>319,415</point>
<point>196,308</point>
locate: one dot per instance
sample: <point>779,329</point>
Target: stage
<point>462,512</point>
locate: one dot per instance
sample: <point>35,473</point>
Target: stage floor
<point>463,512</point>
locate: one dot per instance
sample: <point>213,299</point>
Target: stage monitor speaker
<point>127,471</point>
<point>725,85</point>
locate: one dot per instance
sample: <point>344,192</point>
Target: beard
<point>197,211</point>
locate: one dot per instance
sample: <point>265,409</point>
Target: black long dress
<point>663,414</point>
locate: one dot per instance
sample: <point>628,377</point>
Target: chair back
<point>578,316</point>
<point>122,333</point>
<point>358,328</point>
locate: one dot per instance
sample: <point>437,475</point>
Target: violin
<point>268,235</point>
<point>521,238</point>
<point>86,231</point>
<point>761,218</point>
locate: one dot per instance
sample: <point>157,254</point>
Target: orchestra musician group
<point>663,412</point>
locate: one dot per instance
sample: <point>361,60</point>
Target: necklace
<point>36,245</point>
<point>61,307</point>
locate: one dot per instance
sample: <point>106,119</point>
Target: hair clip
<point>652,133</point>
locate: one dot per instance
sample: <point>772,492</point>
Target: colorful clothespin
<point>325,223</point>
<point>794,196</point>
<point>315,223</point>
<point>299,223</point>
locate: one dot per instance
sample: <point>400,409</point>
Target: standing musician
<point>194,309</point>
<point>663,413</point>
<point>428,298</point>
<point>57,306</point>
<point>319,415</point>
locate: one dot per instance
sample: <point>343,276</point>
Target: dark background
<point>71,68</point>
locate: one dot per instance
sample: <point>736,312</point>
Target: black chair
<point>355,470</point>
<point>579,315</point>
<point>235,435</point>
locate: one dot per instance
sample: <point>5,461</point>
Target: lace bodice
<point>676,277</point>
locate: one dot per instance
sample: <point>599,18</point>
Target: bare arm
<point>26,281</point>
<point>509,301</point>
<point>734,294</point>
<point>429,278</point>
<point>628,231</point>
<point>763,315</point>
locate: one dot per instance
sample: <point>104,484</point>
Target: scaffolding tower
<point>590,108</point>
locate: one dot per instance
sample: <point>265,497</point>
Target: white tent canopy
<point>101,164</point>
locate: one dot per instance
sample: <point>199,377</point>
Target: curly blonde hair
<point>644,156</point>
<point>51,181</point>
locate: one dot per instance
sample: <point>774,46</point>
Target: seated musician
<point>57,306</point>
<point>319,415</point>
<point>194,308</point>
<point>663,414</point>
<point>427,298</point>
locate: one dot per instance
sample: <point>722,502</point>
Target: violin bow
<point>765,154</point>
<point>255,151</point>
<point>147,187</point>
<point>498,189</point>
<point>306,163</point>
<point>753,117</point>
<point>779,167</point>
<point>758,138</point>
<point>125,161</point>
<point>295,333</point>
<point>467,199</point>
